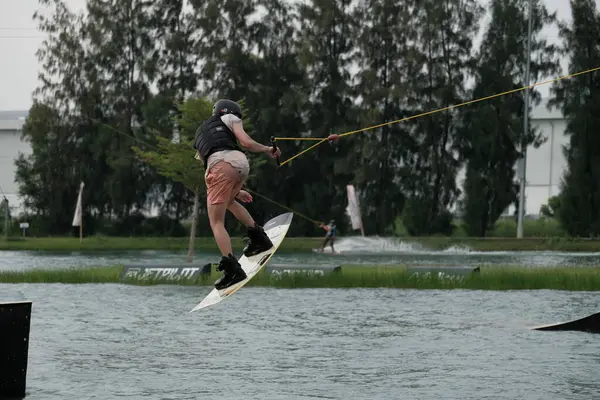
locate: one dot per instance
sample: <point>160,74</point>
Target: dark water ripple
<point>115,341</point>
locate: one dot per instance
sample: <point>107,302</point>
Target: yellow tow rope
<point>337,136</point>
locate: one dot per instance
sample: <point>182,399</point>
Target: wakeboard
<point>276,229</point>
<point>319,251</point>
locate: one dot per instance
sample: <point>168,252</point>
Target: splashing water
<point>352,245</point>
<point>378,245</point>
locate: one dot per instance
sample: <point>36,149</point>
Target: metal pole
<point>525,129</point>
<point>551,158</point>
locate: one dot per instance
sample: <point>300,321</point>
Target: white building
<point>11,127</point>
<point>545,165</point>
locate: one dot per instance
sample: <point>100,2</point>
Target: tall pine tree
<point>327,47</point>
<point>579,99</point>
<point>122,44</point>
<point>276,99</point>
<point>226,39</point>
<point>388,62</point>
<point>176,80</point>
<point>493,130</point>
<point>446,29</point>
<point>48,178</point>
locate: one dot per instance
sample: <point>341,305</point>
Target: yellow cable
<point>287,208</point>
<point>303,151</point>
<point>444,109</point>
<point>297,138</point>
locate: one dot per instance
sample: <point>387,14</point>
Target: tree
<point>387,64</point>
<point>492,133</point>
<point>49,198</point>
<point>122,39</point>
<point>49,177</point>
<point>327,45</point>
<point>552,209</point>
<point>5,217</point>
<point>176,80</point>
<point>579,99</point>
<point>226,41</point>
<point>175,161</point>
<point>445,31</point>
<point>277,102</point>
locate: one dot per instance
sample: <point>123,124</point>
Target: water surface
<point>113,341</point>
<point>364,251</point>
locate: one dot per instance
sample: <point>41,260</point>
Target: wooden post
<point>192,242</point>
<point>15,319</point>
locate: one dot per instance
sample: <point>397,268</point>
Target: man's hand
<point>274,154</point>
<point>244,197</point>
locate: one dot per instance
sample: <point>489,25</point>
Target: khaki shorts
<point>223,183</point>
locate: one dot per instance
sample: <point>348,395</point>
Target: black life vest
<point>212,136</point>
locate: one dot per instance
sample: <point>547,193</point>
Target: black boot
<point>258,241</point>
<point>233,272</point>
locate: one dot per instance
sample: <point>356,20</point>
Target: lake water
<point>113,341</point>
<point>353,251</point>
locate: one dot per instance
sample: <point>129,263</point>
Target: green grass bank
<point>95,243</point>
<point>352,276</point>
<point>544,234</point>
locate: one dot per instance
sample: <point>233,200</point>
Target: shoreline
<point>295,244</point>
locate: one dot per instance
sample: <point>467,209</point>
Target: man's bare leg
<point>242,215</point>
<point>216,216</point>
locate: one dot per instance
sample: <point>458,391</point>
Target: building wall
<point>546,164</point>
<point>10,146</point>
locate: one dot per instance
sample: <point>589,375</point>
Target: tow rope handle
<point>275,149</point>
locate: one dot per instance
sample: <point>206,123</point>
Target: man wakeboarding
<point>227,169</point>
<point>330,236</point>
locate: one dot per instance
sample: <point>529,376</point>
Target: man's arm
<point>247,142</point>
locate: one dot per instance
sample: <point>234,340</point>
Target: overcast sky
<point>19,41</point>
